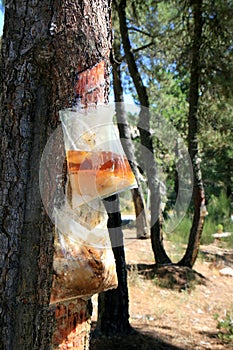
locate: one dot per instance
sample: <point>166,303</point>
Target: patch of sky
<point>1,18</point>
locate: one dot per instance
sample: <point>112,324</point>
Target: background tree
<point>168,77</point>
<point>145,138</point>
<point>113,305</point>
<point>44,47</point>
<point>125,135</point>
<point>165,69</point>
<point>198,189</point>
<point>160,255</point>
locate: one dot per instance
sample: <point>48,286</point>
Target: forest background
<point>215,125</point>
<point>164,65</point>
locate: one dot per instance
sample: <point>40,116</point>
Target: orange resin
<point>97,174</point>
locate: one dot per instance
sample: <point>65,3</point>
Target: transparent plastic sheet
<point>97,165</point>
<point>83,260</point>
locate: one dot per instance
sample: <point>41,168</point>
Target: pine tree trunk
<point>39,71</point>
<point>113,305</point>
<point>146,141</point>
<point>123,126</point>
<point>198,189</point>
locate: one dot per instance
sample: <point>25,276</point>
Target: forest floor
<point>173,308</point>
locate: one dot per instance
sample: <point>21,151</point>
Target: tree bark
<point>45,44</point>
<point>146,140</point>
<point>198,189</point>
<point>123,126</point>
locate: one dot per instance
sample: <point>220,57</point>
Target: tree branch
<point>138,49</point>
<point>135,29</point>
<point>142,47</point>
<point>133,69</point>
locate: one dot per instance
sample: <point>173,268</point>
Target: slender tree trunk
<point>198,190</point>
<point>113,305</point>
<point>137,195</point>
<point>45,44</point>
<point>140,211</point>
<point>146,140</point>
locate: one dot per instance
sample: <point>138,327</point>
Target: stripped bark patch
<point>90,85</point>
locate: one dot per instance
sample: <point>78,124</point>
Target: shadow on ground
<point>135,341</point>
<point>169,276</point>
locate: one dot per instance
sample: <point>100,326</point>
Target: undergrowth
<point>225,327</point>
<point>218,219</point>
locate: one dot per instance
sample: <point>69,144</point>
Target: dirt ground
<point>174,313</point>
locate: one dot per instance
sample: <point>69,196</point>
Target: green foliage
<point>229,240</point>
<point>165,65</point>
<point>169,99</point>
<point>220,228</point>
<point>219,216</point>
<point>219,208</point>
<point>225,327</point>
<point>217,163</point>
<point>208,230</point>
<point>165,69</point>
<point>181,232</point>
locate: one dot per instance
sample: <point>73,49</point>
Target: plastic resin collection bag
<point>83,260</point>
<point>97,165</point>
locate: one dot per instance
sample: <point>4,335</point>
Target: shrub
<point>225,327</point>
<point>208,230</point>
<point>219,208</point>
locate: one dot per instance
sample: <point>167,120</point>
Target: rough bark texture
<point>39,71</point>
<point>137,195</point>
<point>146,139</point>
<point>198,190</point>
